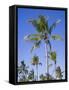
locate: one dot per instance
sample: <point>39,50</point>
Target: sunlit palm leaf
<point>39,36</point>
<point>56,37</point>
<point>53,26</point>
<point>33,37</point>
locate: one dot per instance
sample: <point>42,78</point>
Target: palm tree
<point>59,73</point>
<point>44,33</point>
<point>23,71</point>
<point>35,61</point>
<point>53,58</point>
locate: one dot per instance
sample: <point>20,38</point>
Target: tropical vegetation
<point>44,34</point>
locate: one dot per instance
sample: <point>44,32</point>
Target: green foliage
<point>41,24</point>
<point>44,31</point>
<point>46,77</point>
<point>56,37</point>
<point>59,73</point>
<point>53,56</point>
<point>31,75</point>
<point>36,45</point>
<point>44,34</point>
<point>23,69</point>
<point>42,77</point>
<point>35,60</point>
<point>53,26</point>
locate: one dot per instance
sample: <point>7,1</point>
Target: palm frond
<point>32,37</point>
<point>36,25</point>
<point>53,56</point>
<point>34,22</point>
<point>56,37</point>
<point>53,26</point>
<point>36,45</point>
<point>44,23</point>
<point>41,24</point>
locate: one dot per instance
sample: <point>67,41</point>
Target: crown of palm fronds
<point>35,60</point>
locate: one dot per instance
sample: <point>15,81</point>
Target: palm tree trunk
<point>46,53</point>
<point>37,71</point>
<point>55,70</point>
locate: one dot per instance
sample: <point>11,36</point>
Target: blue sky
<point>25,28</point>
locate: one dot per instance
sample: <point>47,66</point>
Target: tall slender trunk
<point>46,53</point>
<point>55,70</point>
<point>37,71</point>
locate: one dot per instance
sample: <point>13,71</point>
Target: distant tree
<point>31,75</point>
<point>35,61</point>
<point>59,73</point>
<point>23,71</point>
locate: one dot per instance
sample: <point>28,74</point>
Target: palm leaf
<point>47,27</point>
<point>36,25</point>
<point>53,26</point>
<point>32,37</point>
<point>44,23</point>
<point>53,56</point>
<point>34,22</point>
<point>41,24</point>
<point>39,36</point>
<point>56,37</point>
<point>36,45</point>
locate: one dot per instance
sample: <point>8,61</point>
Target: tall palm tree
<point>44,33</point>
<point>35,61</point>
